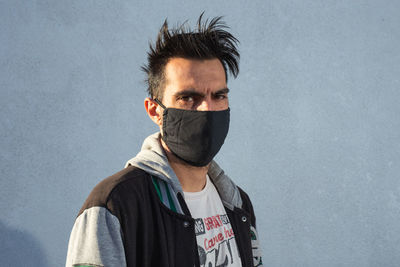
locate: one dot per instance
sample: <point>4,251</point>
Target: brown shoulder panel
<point>101,192</point>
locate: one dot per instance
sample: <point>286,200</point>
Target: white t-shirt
<point>215,238</point>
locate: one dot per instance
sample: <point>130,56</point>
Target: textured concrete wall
<point>314,138</point>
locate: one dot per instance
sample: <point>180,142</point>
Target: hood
<point>154,161</point>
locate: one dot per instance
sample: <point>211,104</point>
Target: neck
<point>192,179</point>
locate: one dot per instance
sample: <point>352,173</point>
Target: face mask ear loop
<point>159,102</point>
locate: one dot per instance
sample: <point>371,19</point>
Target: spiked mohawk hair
<point>210,40</point>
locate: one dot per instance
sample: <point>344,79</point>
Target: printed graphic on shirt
<point>216,242</point>
<point>214,235</point>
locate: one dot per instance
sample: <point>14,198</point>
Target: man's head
<point>209,41</point>
<point>187,78</point>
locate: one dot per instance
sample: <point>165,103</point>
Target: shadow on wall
<point>19,248</point>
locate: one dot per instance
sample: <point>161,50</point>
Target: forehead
<point>195,74</point>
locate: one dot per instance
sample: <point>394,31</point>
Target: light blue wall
<point>315,132</point>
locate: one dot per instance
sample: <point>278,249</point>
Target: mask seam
<point>179,128</point>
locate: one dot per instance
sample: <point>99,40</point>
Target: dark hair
<point>210,40</point>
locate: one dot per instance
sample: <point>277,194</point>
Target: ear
<point>153,110</point>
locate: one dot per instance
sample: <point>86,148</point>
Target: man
<point>173,205</point>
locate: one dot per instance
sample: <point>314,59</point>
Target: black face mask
<point>194,136</point>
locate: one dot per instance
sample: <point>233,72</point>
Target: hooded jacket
<point>138,217</point>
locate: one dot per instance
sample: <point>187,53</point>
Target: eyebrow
<point>222,91</point>
<point>192,92</point>
<point>188,92</point>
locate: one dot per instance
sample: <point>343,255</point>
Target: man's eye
<point>186,98</point>
<point>221,96</point>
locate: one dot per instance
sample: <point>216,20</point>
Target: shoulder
<point>245,198</point>
<point>130,177</point>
